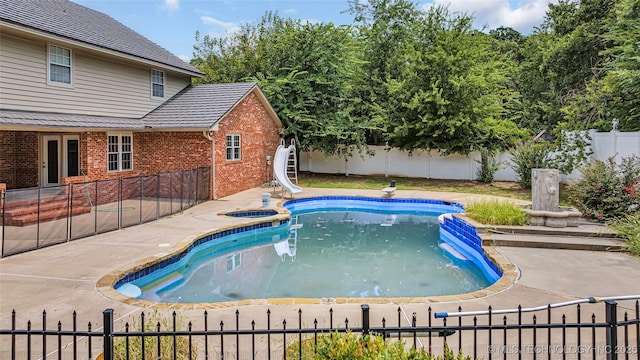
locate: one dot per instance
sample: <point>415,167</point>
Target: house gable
<point>63,20</point>
<point>259,136</point>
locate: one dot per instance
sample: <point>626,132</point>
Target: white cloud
<point>291,11</point>
<point>171,5</point>
<point>185,58</point>
<point>494,13</point>
<point>220,25</point>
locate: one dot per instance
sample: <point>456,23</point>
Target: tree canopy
<point>412,78</point>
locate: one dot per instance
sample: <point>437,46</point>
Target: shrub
<point>607,190</point>
<point>488,166</point>
<point>628,227</point>
<point>496,212</point>
<point>151,324</point>
<point>531,155</point>
<point>353,346</point>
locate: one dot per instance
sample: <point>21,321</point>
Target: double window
<point>157,83</point>
<point>120,152</point>
<point>233,147</point>
<point>59,65</point>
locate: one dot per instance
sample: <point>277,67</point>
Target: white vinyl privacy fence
<point>431,165</point>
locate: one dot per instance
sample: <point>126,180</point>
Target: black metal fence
<point>38,217</point>
<point>591,331</point>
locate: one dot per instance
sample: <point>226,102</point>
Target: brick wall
<point>259,137</point>
<point>153,153</point>
<point>159,152</point>
<point>19,159</point>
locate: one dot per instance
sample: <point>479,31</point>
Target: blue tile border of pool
<point>383,200</point>
<point>252,213</point>
<point>205,239</point>
<point>465,232</point>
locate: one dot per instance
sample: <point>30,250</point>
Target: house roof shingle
<point>76,22</point>
<point>200,106</point>
<point>56,120</point>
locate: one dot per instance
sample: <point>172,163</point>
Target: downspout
<point>208,134</point>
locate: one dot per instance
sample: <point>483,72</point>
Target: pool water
<point>322,254</point>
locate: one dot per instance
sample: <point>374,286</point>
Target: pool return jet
<point>284,162</point>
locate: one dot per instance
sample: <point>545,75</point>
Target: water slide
<point>280,169</point>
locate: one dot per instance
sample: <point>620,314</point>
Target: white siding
<point>100,86</point>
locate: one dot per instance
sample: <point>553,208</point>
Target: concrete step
<point>597,243</point>
<point>33,208</point>
<point>54,214</point>
<point>585,229</point>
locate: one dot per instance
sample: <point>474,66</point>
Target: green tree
<point>307,71</point>
<point>614,95</point>
<point>575,57</point>
<point>386,30</point>
<point>452,94</point>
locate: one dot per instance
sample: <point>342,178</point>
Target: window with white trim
<point>59,65</point>
<point>120,152</point>
<point>233,147</point>
<point>157,83</point>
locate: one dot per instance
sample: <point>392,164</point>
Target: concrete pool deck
<point>62,279</point>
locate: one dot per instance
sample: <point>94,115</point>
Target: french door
<point>60,157</point>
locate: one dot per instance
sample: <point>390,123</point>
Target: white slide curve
<point>280,169</point>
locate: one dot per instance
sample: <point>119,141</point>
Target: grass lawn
<point>498,188</point>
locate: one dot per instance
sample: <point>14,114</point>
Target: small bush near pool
<point>608,190</point>
<point>629,228</point>
<point>496,212</point>
<point>134,348</point>
<point>353,346</point>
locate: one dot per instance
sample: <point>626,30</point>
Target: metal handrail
<point>591,300</point>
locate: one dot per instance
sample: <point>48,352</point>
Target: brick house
<point>84,98</point>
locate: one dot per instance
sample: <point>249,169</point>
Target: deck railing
<point>595,329</point>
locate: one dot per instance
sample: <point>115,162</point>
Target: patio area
<point>62,279</point>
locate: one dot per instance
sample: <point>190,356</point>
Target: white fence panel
<point>615,144</point>
<point>432,165</point>
<point>368,164</point>
<point>405,164</point>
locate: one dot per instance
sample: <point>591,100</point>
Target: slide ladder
<point>292,164</point>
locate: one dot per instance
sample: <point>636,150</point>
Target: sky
<point>172,24</point>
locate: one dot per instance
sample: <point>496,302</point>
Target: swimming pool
<point>332,247</point>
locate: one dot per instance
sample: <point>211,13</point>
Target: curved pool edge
<point>106,284</point>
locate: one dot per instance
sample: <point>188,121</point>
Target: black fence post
<point>141,196</point>
<point>158,196</point>
<point>196,198</point>
<point>181,190</point>
<point>119,203</point>
<point>365,319</point>
<point>70,212</point>
<point>38,220</point>
<point>4,211</point>
<point>612,329</point>
<point>107,340</point>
